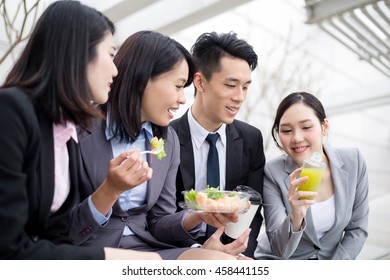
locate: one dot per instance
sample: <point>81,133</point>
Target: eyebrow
<point>231,79</point>
<point>303,121</point>
<point>184,80</point>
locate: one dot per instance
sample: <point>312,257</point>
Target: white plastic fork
<point>154,151</point>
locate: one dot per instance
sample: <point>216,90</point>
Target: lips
<point>233,109</point>
<point>172,111</point>
<point>300,149</point>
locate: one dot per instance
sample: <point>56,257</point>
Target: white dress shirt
<point>201,149</point>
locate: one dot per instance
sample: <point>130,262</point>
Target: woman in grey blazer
<point>138,211</point>
<point>334,224</point>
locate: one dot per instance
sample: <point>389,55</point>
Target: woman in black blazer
<point>66,65</point>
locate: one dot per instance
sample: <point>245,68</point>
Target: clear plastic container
<point>216,201</point>
<point>234,230</point>
<point>313,168</point>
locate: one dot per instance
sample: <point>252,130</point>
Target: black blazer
<point>28,230</point>
<point>245,161</point>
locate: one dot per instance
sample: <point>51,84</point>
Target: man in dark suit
<point>221,83</point>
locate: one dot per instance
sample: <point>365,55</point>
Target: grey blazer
<point>156,222</point>
<point>346,238</point>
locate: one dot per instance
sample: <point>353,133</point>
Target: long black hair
<point>52,68</point>
<point>143,56</point>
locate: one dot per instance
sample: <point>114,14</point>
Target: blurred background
<point>338,50</point>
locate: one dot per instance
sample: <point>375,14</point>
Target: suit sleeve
<point>256,180</point>
<point>283,242</point>
<point>164,222</point>
<point>355,234</point>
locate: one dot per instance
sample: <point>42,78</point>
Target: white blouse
<point>324,215</point>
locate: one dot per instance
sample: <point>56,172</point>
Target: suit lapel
<point>73,174</point>
<point>156,183</point>
<point>234,152</point>
<point>187,167</point>
<point>97,149</point>
<point>46,186</point>
<point>310,231</point>
<point>341,189</point>
<point>151,187</point>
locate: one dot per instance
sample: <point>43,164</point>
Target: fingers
<point>298,199</point>
<point>239,245</point>
<point>229,217</point>
<point>301,198</point>
<point>218,233</point>
<point>219,219</point>
<point>133,154</point>
<point>294,183</point>
<point>245,236</point>
<point>128,170</point>
<point>242,257</point>
<point>294,175</point>
<point>210,218</point>
<point>132,162</point>
<point>234,248</point>
<point>295,195</point>
<point>149,174</point>
<point>225,218</point>
<point>136,175</point>
<point>139,170</point>
<point>214,242</point>
<point>305,195</point>
<point>131,158</point>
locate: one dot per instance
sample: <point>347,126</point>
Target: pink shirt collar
<point>62,133</point>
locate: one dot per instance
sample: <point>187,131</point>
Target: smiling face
<point>164,94</point>
<point>300,132</point>
<point>219,99</point>
<point>101,70</point>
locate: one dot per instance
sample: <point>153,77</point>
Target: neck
<point>201,117</point>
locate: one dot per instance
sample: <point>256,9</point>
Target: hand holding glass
<point>313,168</point>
